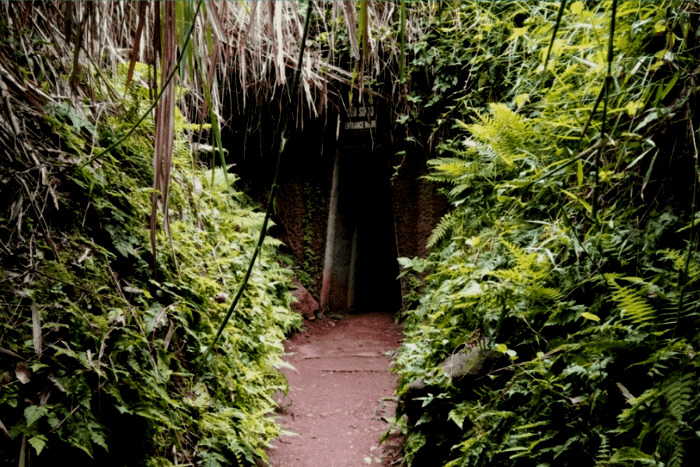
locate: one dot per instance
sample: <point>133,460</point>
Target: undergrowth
<point>102,342</point>
<point>571,249</point>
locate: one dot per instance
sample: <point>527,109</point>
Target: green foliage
<point>571,254</point>
<point>101,361</point>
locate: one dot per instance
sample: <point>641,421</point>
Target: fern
<point>504,131</point>
<point>632,305</point>
<point>625,455</point>
<point>444,227</point>
<point>588,304</point>
<point>538,293</point>
<point>603,455</point>
<point>677,394</point>
<point>450,170</point>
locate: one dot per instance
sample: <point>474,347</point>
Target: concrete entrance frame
<point>360,267</point>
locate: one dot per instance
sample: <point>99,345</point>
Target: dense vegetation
<point>101,340</point>
<point>564,135</point>
<point>569,151</point>
<point>107,342</point>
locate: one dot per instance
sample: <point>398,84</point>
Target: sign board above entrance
<point>361,117</point>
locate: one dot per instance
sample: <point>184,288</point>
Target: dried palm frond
<point>165,131</point>
<point>247,49</point>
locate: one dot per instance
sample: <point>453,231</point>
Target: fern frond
<point>678,258</point>
<point>505,131</point>
<point>443,228</point>
<point>603,454</point>
<point>678,392</point>
<point>632,305</point>
<point>448,170</point>
<point>539,293</point>
<point>670,439</point>
<point>626,455</point>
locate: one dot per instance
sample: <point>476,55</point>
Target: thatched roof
<point>69,54</point>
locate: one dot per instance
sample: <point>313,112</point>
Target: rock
<point>467,361</point>
<point>221,297</point>
<point>464,368</point>
<point>305,303</point>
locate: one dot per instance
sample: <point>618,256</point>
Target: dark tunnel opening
<point>360,267</point>
<point>344,212</point>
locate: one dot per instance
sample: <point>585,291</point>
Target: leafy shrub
<point>101,357</point>
<point>571,248</point>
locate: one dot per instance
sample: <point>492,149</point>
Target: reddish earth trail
<point>340,401</point>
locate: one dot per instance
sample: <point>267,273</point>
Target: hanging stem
<point>603,130</point>
<point>562,6</point>
<point>683,274</point>
<point>402,40</point>
<point>273,188</point>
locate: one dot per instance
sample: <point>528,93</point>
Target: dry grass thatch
<point>62,53</point>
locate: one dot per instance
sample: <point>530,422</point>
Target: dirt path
<point>340,401</point>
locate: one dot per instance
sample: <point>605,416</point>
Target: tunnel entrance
<point>360,268</point>
<point>343,249</point>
